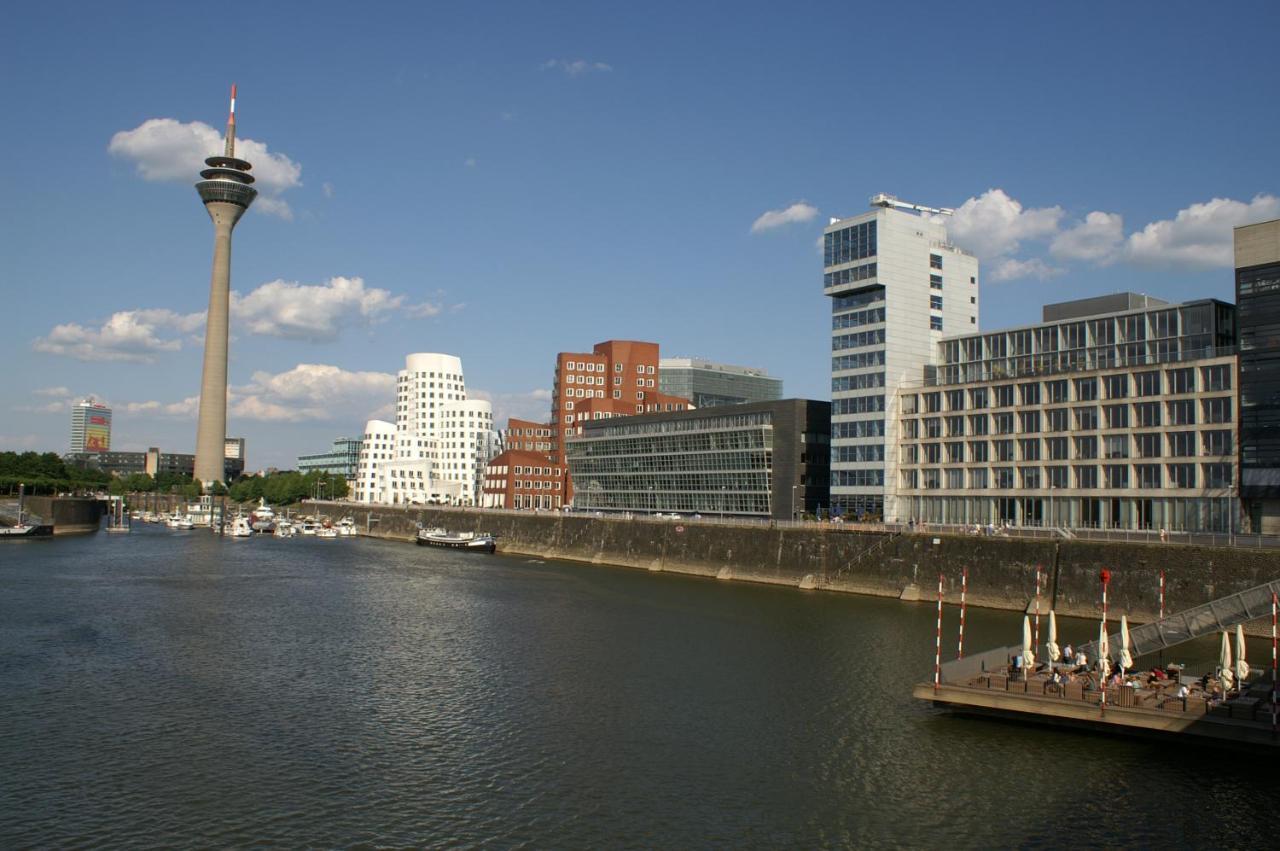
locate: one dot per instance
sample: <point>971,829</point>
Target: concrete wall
<point>1001,570</point>
<point>69,515</point>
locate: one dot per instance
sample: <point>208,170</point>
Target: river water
<point>175,689</point>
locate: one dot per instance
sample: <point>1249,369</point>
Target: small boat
<point>181,522</point>
<point>326,532</point>
<point>475,541</point>
<point>347,527</point>
<point>309,526</point>
<point>263,518</point>
<point>22,529</point>
<point>241,528</point>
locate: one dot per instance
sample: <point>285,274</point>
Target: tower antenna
<point>231,126</point>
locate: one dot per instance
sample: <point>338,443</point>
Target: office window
<point>1115,446</point>
<point>935,261</point>
<point>1002,423</point>
<point>1086,389</point>
<point>935,302</point>
<point>978,479</point>
<point>1116,386</point>
<point>955,400</point>
<point>979,452</point>
<point>978,424</point>
<point>1030,449</point>
<point>955,480</point>
<point>1182,412</point>
<point>1216,442</point>
<point>1030,422</point>
<point>1146,414</point>
<point>1086,418</point>
<point>1182,380</point>
<point>1182,444</point>
<point>1216,378</point>
<point>935,282</point>
<point>1086,477</point>
<point>1148,476</point>
<point>1182,475</point>
<point>935,323</point>
<point>933,427</point>
<point>1057,391</point>
<point>955,426</point>
<point>1147,383</point>
<point>1086,447</point>
<point>1057,448</point>
<point>1030,477</point>
<point>1217,475</point>
<point>1030,393</point>
<point>1004,478</point>
<point>1116,476</point>
<point>1148,444</point>
<point>932,402</point>
<point>978,398</point>
<point>1217,410</point>
<point>1003,449</point>
<point>1116,416</point>
<point>1003,396</point>
<point>1057,477</point>
<point>932,453</point>
<point>1058,419</point>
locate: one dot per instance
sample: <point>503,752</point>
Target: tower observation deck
<point>226,190</point>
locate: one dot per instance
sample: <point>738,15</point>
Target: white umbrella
<point>1126,658</point>
<point>1242,667</point>
<point>1104,650</point>
<point>1224,663</point>
<point>1055,653</point>
<point>1028,655</point>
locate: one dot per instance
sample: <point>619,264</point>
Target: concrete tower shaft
<point>226,193</point>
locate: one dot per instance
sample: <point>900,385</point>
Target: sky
<point>505,181</point>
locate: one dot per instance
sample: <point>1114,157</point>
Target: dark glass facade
<point>1258,312</point>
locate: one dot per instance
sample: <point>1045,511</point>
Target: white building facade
<point>897,286</point>
<point>438,445</point>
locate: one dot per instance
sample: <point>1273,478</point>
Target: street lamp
<point>723,488</point>
<point>793,502</point>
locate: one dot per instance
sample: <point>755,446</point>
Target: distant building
<point>90,427</point>
<point>152,462</point>
<point>897,285</point>
<point>1257,260</point>
<point>234,448</point>
<point>436,448</point>
<point>1116,412</point>
<point>521,479</point>
<point>766,460</point>
<point>343,459</point>
<point>707,384</point>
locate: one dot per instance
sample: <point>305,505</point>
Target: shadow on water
<point>182,689</point>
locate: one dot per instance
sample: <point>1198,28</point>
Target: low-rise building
<point>765,460</point>
<point>523,480</point>
<point>343,459</point>
<point>1115,412</point>
<point>152,462</point>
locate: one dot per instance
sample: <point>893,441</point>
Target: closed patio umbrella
<point>1055,652</point>
<point>1224,663</point>
<point>1126,657</point>
<point>1028,655</point>
<point>1242,667</point>
<point>1104,651</point>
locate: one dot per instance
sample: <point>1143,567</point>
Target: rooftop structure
<point>708,384</point>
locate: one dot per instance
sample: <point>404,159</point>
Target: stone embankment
<point>1001,570</point>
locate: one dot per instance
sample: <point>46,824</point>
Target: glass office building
<point>767,460</point>
<point>708,384</point>
<point>1257,260</point>
<point>342,459</point>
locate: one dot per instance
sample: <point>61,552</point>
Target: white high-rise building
<point>897,287</point>
<point>438,444</point>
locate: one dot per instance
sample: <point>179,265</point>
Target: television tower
<point>226,194</point>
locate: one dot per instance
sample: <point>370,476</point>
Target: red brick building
<point>617,378</point>
<point>521,479</point>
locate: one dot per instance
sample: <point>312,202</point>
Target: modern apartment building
<point>1115,412</point>
<point>342,459</point>
<point>437,445</point>
<point>766,459</point>
<point>897,286</point>
<point>707,384</point>
<point>90,426</point>
<point>1257,260</point>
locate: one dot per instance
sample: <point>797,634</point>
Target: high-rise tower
<point>226,194</point>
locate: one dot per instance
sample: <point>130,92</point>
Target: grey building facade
<point>151,462</point>
<point>1257,261</point>
<point>765,460</point>
<point>708,384</point>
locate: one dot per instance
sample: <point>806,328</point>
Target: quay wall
<point>69,515</point>
<point>1001,571</point>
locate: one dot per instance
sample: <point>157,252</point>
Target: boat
<point>347,527</point>
<point>241,527</point>
<point>263,518</point>
<point>326,532</point>
<point>474,541</point>
<point>181,522</point>
<point>22,529</point>
<point>309,526</point>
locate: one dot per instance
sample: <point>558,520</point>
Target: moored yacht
<point>263,518</point>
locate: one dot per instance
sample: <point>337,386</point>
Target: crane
<point>886,200</point>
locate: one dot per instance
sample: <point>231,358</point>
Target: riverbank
<point>1001,571</point>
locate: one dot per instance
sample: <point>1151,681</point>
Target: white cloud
<point>797,212</point>
<point>993,225</point>
<point>52,391</point>
<point>1097,239</point>
<point>317,312</point>
<point>575,67</point>
<point>1199,235</point>
<point>309,391</point>
<point>168,149</point>
<point>128,335</point>
<point>1010,268</point>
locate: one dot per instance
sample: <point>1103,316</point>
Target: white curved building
<point>438,444</point>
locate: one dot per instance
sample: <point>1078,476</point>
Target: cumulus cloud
<point>1200,235</point>
<point>52,391</point>
<point>575,67</point>
<point>317,312</point>
<point>285,309</point>
<point>994,225</point>
<point>309,391</point>
<point>1010,268</point>
<point>128,335</point>
<point>168,149</point>
<point>1097,239</point>
<point>797,212</point>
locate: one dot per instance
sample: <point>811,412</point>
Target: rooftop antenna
<point>231,126</point>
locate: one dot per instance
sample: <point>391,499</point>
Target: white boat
<point>180,521</point>
<point>263,518</point>
<point>473,541</point>
<point>241,528</point>
<point>309,526</point>
<point>285,529</point>
<point>326,532</point>
<point>347,527</point>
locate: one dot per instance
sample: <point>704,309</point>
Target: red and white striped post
<point>1273,664</point>
<point>964,587</point>
<point>937,649</point>
<point>1162,595</point>
<point>1105,576</point>
<point>1035,643</point>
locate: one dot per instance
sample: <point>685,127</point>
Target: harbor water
<point>174,689</point>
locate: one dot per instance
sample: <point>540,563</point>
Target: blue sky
<point>503,181</point>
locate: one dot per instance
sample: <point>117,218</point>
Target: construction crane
<point>885,200</point>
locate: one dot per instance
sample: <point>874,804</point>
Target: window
<point>1116,476</point>
<point>1182,380</point>
<point>1086,389</point>
<point>1030,447</point>
<point>935,323</point>
<point>1217,410</point>
<point>935,261</point>
<point>935,302</point>
<point>1030,393</point>
<point>978,479</point>
<point>1003,449</point>
<point>1057,476</point>
<point>1086,477</point>
<point>1057,448</point>
<point>955,426</point>
<point>1057,419</point>
<point>1116,416</point>
<point>1147,383</point>
<point>640,368</point>
<point>955,452</point>
<point>1146,414</point>
<point>978,425</point>
<point>932,453</point>
<point>1086,447</point>
<point>1216,442</point>
<point>1002,423</point>
<point>1004,478</point>
<point>1217,475</point>
<point>932,402</point>
<point>1115,446</point>
<point>1182,444</point>
<point>1086,418</point>
<point>935,282</point>
<point>1003,396</point>
<point>1030,477</point>
<point>1148,475</point>
<point>1030,422</point>
<point>1216,378</point>
<point>1148,444</point>
<point>978,451</point>
<point>1117,386</point>
<point>933,427</point>
<point>955,400</point>
<point>1182,475</point>
<point>1182,412</point>
<point>978,398</point>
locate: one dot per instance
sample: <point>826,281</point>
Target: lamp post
<point>722,490</point>
<point>793,502</point>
